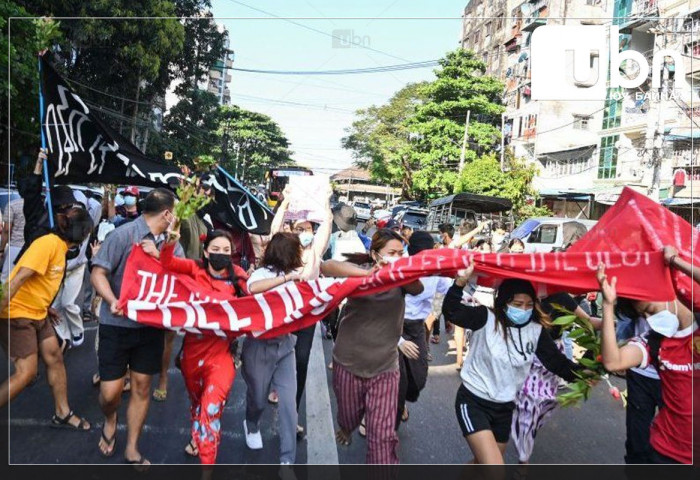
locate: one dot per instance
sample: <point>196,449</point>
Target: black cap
<point>62,195</point>
<point>419,241</point>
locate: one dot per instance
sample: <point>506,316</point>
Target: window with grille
<point>607,159</point>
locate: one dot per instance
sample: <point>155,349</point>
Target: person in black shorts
<point>503,346</point>
<point>124,343</point>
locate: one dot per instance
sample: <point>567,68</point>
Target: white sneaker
<point>253,440</point>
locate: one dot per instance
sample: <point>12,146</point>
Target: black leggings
<point>302,352</point>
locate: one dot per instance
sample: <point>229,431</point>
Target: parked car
<point>363,210</point>
<point>545,233</point>
<point>6,196</point>
<point>416,218</point>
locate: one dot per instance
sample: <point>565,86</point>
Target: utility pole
<point>503,139</point>
<point>655,129</point>
<point>464,142</point>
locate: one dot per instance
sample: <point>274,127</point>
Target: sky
<point>320,108</point>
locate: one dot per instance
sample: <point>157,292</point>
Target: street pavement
<point>591,433</point>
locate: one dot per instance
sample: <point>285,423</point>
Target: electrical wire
<point>349,71</point>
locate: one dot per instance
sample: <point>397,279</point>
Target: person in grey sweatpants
<point>270,364</point>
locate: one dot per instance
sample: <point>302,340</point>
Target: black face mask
<point>73,252</point>
<point>219,261</point>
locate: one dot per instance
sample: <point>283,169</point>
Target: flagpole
<point>43,146</point>
<point>230,177</point>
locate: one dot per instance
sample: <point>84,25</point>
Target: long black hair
<point>204,261</point>
<point>506,293</point>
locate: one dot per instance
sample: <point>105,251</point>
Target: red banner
<point>638,224</point>
<point>154,296</point>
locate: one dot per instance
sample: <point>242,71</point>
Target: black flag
<point>84,149</point>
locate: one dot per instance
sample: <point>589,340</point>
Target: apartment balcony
<point>692,66</point>
<point>642,16</point>
<point>215,74</point>
<point>538,17</point>
<point>227,79</point>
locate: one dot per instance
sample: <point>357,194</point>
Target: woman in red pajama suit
<point>206,362</point>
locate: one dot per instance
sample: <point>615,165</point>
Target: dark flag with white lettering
<point>84,149</point>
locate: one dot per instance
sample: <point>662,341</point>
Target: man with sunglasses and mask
<point>33,284</point>
<point>122,342</point>
<point>36,214</point>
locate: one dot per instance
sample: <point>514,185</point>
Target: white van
<point>545,233</point>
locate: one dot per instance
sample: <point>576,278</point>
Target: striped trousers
<point>376,399</point>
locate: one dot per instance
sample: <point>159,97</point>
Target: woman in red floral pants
<point>206,361</point>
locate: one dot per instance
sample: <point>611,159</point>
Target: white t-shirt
<point>262,274</point>
<point>418,307</point>
<point>495,369</point>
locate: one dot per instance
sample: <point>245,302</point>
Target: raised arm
<point>471,317</point>
<point>323,234</point>
<point>614,358</point>
<point>467,238</point>
<point>674,261</point>
<point>278,220</point>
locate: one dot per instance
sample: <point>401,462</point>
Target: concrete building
<point>356,184</point>
<point>586,151</point>
<point>218,80</point>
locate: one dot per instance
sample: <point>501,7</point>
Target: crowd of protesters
<point>65,265</point>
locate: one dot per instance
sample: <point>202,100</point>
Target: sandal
<point>96,380</point>
<point>191,449</point>
<point>362,430</point>
<point>404,414</point>
<point>110,442</point>
<point>273,398</point>
<point>160,395</point>
<point>58,422</point>
<point>139,462</point>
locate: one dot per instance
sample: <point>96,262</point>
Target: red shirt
<point>200,345</point>
<point>672,430</point>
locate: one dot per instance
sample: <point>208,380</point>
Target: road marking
<point>185,433</point>
<point>321,447</point>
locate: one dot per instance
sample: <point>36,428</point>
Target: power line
<point>348,71</point>
<point>286,102</point>
<point>107,94</point>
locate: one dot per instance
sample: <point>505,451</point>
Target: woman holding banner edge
<point>205,360</point>
<point>505,341</point>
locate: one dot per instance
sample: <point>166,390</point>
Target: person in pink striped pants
<point>366,359</point>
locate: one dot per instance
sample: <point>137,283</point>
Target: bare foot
<point>343,437</point>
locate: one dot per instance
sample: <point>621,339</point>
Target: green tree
<point>204,44</point>
<point>461,86</point>
<point>483,176</point>
<point>189,128</point>
<point>251,143</point>
<point>381,141</point>
<point>28,37</point>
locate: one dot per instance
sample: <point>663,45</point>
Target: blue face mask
<point>518,316</point>
<point>306,238</point>
<point>129,201</point>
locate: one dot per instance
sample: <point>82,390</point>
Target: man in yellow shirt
<point>24,304</point>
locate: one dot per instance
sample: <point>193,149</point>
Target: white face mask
<point>390,259</point>
<point>664,322</point>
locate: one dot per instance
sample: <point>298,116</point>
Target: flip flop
<point>58,422</point>
<point>110,442</point>
<point>96,380</point>
<point>404,414</point>
<point>141,461</point>
<point>191,449</point>
<point>362,430</point>
<point>160,395</point>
